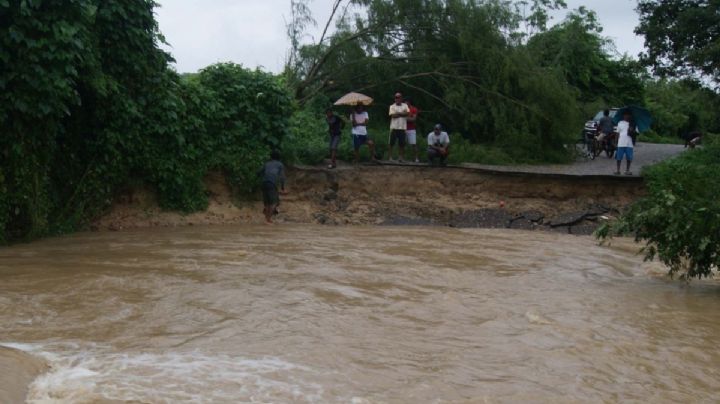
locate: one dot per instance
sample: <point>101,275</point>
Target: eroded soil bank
<point>410,195</point>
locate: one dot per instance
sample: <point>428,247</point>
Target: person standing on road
<point>625,144</point>
<point>411,128</point>
<point>359,120</point>
<point>399,112</point>
<point>335,127</point>
<point>272,175</point>
<point>438,146</point>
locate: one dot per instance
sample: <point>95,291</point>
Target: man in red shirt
<point>411,128</point>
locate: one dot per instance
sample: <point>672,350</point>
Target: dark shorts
<point>334,142</point>
<point>359,140</point>
<point>271,197</point>
<point>433,154</point>
<point>398,136</point>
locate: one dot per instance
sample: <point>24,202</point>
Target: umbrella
<point>640,116</point>
<point>354,99</point>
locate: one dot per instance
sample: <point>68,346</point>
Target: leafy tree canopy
<point>681,36</point>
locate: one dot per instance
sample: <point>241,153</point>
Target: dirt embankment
<point>404,196</point>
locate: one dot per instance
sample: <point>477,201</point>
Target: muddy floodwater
<point>351,315</point>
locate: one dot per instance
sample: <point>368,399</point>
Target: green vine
<point>88,105</point>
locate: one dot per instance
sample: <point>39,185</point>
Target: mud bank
<point>17,372</point>
<point>376,195</point>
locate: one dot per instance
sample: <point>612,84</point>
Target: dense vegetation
<point>465,64</point>
<point>681,37</point>
<point>679,219</point>
<point>88,105</point>
<point>492,72</point>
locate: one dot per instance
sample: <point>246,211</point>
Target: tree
<point>582,55</point>
<point>682,37</point>
<point>460,60</point>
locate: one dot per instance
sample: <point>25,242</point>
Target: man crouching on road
<point>273,176</point>
<point>438,146</point>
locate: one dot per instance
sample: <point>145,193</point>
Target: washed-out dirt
<point>396,195</point>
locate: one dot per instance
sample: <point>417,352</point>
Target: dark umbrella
<point>640,116</point>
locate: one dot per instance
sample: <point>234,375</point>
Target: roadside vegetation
<point>679,219</point>
<point>89,106</point>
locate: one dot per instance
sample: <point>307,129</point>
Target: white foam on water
<point>96,375</point>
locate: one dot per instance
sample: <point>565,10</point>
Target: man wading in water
<point>273,175</point>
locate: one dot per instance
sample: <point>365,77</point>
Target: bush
<point>681,106</point>
<point>679,219</point>
<point>102,109</point>
<point>307,141</point>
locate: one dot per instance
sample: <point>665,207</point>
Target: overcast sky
<point>252,32</point>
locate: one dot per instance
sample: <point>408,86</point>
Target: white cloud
<point>252,32</point>
<point>618,18</point>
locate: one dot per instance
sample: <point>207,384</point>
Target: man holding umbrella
<point>625,144</point>
<point>630,121</point>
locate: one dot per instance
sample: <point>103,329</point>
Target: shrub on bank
<point>679,219</point>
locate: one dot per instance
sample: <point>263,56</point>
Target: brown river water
<point>353,315</point>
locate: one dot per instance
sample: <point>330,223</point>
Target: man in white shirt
<point>359,120</point>
<point>438,146</point>
<point>398,125</point>
<point>625,144</point>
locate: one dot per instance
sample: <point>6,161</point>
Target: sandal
<point>628,172</point>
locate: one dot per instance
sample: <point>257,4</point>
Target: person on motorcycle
<point>605,127</point>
